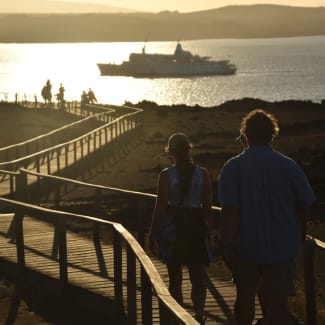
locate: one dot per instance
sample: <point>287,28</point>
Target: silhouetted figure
<point>47,93</point>
<point>60,96</point>
<point>181,222</point>
<point>91,97</point>
<point>265,199</point>
<point>84,99</point>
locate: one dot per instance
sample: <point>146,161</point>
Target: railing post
<point>111,129</point>
<point>99,251</point>
<point>118,288</point>
<point>88,144</point>
<point>123,125</point>
<point>63,261</point>
<point>119,127</point>
<point>21,187</point>
<point>19,236</point>
<point>131,287</point>
<point>66,153</point>
<point>57,200</point>
<point>165,316</point>
<point>58,153</point>
<point>100,138</point>
<point>95,141</point>
<point>116,129</point>
<point>82,147</point>
<point>38,168</point>
<point>146,298</point>
<point>12,184</point>
<point>48,163</point>
<point>309,277</point>
<point>141,211</point>
<point>96,237</point>
<point>74,152</point>
<point>106,135</point>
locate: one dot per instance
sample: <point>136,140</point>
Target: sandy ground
<point>212,132</point>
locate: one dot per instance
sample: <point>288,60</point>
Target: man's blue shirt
<point>267,188</point>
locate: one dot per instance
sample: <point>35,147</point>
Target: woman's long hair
<point>179,148</point>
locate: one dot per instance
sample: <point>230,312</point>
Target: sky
<point>193,5</point>
<point>137,5</point>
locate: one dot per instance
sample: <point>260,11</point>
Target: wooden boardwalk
<point>59,157</point>
<point>89,269</point>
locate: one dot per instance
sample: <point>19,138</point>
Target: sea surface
<point>272,69</point>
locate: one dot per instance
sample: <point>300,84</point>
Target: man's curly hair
<point>259,127</point>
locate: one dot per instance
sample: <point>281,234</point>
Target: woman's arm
<point>207,201</point>
<point>160,208</point>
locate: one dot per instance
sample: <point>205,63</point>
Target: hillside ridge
<point>252,21</point>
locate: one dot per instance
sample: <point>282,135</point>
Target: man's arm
<point>229,225</point>
<point>207,201</point>
<point>304,215</point>
<point>229,232</point>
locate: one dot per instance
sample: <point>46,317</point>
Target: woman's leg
<point>175,281</point>
<point>198,294</point>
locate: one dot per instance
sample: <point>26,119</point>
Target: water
<point>269,69</point>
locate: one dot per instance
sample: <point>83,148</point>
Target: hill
<point>256,21</point>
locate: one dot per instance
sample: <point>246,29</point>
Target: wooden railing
<point>169,310</point>
<point>142,199</point>
<point>41,142</point>
<point>51,188</point>
<point>35,101</point>
<point>17,98</point>
<point>12,178</point>
<point>59,157</point>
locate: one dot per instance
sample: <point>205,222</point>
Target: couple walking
<point>265,199</point>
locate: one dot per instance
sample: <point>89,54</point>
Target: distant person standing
<point>60,96</point>
<point>91,96</point>
<point>265,199</point>
<point>84,99</point>
<point>47,93</point>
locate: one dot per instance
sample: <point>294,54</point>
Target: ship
<point>181,63</point>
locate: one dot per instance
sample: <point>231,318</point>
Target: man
<point>91,96</point>
<point>266,200</point>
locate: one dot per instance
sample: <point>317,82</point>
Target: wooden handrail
<point>8,172</point>
<point>96,186</point>
<point>175,311</point>
<point>50,133</point>
<point>59,147</point>
<point>12,177</point>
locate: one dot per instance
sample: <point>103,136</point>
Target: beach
<point>212,131</point>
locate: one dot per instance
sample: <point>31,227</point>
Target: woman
<point>181,222</point>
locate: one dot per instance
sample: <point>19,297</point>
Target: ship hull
<point>173,69</point>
